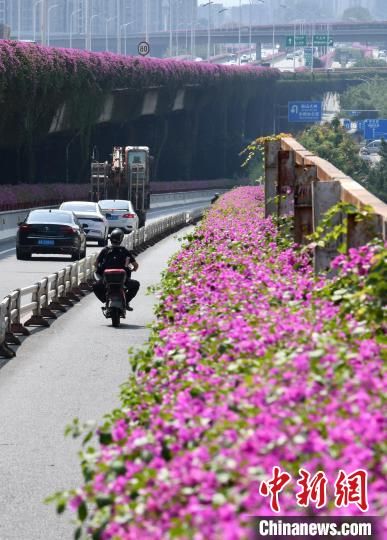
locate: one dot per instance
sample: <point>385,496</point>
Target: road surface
<point>18,274</point>
<point>72,369</point>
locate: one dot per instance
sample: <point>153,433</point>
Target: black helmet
<point>116,237</point>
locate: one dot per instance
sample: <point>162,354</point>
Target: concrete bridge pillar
<point>258,50</point>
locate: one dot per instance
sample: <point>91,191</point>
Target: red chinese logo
<point>274,487</point>
<point>349,489</point>
<point>352,489</point>
<point>312,489</point>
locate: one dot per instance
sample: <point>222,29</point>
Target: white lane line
<point>7,250</point>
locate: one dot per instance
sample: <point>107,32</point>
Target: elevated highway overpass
<point>364,32</point>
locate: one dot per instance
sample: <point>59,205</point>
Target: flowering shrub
<point>13,197</point>
<point>247,368</point>
<point>31,69</point>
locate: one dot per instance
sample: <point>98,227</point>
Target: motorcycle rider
<point>116,256</point>
<point>215,197</point>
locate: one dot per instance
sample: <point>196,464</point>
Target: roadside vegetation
<point>333,143</point>
<point>253,363</point>
<point>368,96</point>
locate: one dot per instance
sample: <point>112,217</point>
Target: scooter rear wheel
<point>115,315</point>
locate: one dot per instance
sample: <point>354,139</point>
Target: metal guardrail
<point>52,293</point>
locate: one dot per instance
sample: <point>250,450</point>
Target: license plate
<point>113,217</point>
<point>46,242</point>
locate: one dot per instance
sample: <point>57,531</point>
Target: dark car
<point>50,231</point>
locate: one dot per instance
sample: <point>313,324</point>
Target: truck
<point>126,177</point>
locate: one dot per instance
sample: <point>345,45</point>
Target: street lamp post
<point>107,21</point>
<point>91,29</point>
<point>170,28</point>
<point>71,25</point>
<point>146,21</point>
<point>209,27</point>
<point>125,25</point>
<point>34,16</point>
<point>48,22</point>
<point>281,6</point>
<point>239,32</point>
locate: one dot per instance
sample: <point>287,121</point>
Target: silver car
<point>120,214</point>
<point>372,147</point>
<point>92,219</point>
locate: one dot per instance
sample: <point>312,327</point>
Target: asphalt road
<point>72,369</point>
<point>18,274</point>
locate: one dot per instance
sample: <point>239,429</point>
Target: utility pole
<point>43,23</point>
<point>118,10</point>
<point>87,25</point>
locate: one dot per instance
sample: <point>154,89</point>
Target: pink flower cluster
<point>40,69</point>
<point>247,369</point>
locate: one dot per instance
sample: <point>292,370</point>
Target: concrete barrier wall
<point>185,197</point>
<point>9,220</point>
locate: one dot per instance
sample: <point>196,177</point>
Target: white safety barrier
<point>38,302</point>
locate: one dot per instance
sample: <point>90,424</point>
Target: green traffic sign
<point>300,41</point>
<point>322,40</point>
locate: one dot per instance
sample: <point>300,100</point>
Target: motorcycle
<point>115,308</point>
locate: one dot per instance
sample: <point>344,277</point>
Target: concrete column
<point>272,149</point>
<point>362,232</point>
<point>324,196</point>
<point>258,50</point>
<point>286,181</point>
<point>303,215</point>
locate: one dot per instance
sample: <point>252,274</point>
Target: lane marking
<point>7,250</point>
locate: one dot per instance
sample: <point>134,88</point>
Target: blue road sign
<point>360,125</point>
<point>304,111</point>
<point>375,129</point>
<point>347,123</point>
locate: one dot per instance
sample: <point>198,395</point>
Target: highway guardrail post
<point>5,351</point>
<point>37,318</point>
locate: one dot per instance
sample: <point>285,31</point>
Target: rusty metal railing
<point>299,183</point>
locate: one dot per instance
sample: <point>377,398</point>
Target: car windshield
<point>40,216</point>
<point>117,205</point>
<point>80,207</point>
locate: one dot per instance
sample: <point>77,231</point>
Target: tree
<point>377,179</point>
<point>369,96</point>
<point>357,13</point>
<point>308,11</point>
<point>370,63</point>
<point>332,142</point>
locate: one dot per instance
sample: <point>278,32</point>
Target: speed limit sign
<point>143,48</point>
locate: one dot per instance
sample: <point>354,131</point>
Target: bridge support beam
<point>258,50</point>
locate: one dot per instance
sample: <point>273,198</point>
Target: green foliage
<point>357,13</point>
<point>370,95</point>
<point>333,228</point>
<point>363,295</point>
<point>333,143</point>
<point>377,179</point>
<point>348,53</point>
<point>370,62</point>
